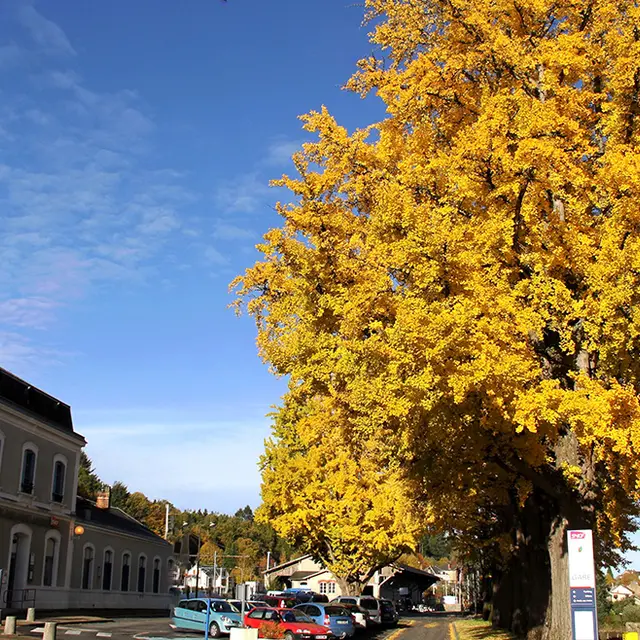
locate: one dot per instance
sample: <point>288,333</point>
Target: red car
<point>296,624</point>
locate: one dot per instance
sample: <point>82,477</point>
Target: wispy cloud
<point>83,201</point>
<point>245,194</point>
<point>280,151</point>
<point>216,449</point>
<point>46,34</point>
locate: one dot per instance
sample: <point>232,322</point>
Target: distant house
<point>393,582</point>
<point>214,580</point>
<point>57,550</point>
<point>622,592</point>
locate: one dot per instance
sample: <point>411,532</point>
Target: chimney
<point>103,499</point>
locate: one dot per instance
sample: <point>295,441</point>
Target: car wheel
<point>289,636</point>
<point>214,630</point>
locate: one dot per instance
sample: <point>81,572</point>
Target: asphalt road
<point>410,628</point>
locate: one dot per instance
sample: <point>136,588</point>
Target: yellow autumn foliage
<point>454,290</point>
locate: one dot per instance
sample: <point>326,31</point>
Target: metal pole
<point>198,566</point>
<point>166,521</point>
<point>208,619</point>
<point>215,573</point>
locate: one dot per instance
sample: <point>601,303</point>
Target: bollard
<point>10,626</point>
<point>31,615</point>
<point>49,631</point>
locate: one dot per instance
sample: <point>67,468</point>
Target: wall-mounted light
<point>78,530</point>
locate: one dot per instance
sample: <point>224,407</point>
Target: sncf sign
<point>577,535</point>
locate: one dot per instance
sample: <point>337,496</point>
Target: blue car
<point>192,615</point>
<point>334,616</point>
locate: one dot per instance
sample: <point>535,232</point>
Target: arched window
<point>51,559</point>
<point>126,571</point>
<point>156,575</point>
<point>28,474</point>
<point>107,569</point>
<point>88,557</point>
<point>59,476</point>
<point>142,573</point>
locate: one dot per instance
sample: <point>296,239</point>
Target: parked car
<point>360,616</point>
<point>192,615</point>
<point>248,604</point>
<point>332,616</point>
<point>371,604</point>
<point>281,602</point>
<point>388,615</point>
<point>296,624</point>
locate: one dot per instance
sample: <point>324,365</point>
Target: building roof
<point>284,565</point>
<point>33,402</point>
<point>114,519</point>
<point>407,576</point>
<point>301,575</point>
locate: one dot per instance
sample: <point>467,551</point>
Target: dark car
<point>388,613</point>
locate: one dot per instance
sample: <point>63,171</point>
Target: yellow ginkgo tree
<point>454,291</point>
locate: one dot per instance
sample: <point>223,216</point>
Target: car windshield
<point>221,606</point>
<point>370,604</point>
<point>336,611</point>
<point>293,615</point>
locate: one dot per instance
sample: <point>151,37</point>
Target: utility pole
<point>166,521</point>
<point>198,564</point>
<point>215,571</point>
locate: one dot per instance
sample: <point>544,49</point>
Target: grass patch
<point>476,629</point>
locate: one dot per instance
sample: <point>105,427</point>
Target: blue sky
<point>137,140</point>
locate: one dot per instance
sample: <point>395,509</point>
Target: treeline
<point>236,541</point>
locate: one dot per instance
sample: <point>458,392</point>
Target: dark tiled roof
<point>288,563</point>
<point>301,575</point>
<point>115,519</point>
<point>35,403</point>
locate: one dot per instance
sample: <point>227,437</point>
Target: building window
<point>87,567</point>
<point>126,571</point>
<point>331,587</point>
<point>107,570</point>
<point>59,473</point>
<point>142,573</point>
<point>49,558</point>
<point>28,477</point>
<point>156,575</point>
<point>323,587</point>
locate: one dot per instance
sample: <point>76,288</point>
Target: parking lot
<point>416,627</point>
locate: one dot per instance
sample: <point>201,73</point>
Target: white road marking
<point>73,632</point>
<point>103,634</point>
<point>38,630</point>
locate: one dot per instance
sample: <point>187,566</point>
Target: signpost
<point>582,584</point>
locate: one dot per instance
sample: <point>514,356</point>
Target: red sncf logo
<point>577,535</point>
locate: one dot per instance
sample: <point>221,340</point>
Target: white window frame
<point>146,573</point>
<point>92,573</point>
<point>36,451</point>
<point>323,587</point>
<point>113,564</point>
<point>52,534</point>
<point>126,552</point>
<point>331,589</point>
<point>59,458</point>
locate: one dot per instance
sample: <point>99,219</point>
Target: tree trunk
<point>558,623</point>
<point>349,587</point>
<point>531,595</point>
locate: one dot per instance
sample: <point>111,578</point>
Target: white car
<point>369,604</point>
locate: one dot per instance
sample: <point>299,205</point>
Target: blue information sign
<point>582,584</point>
